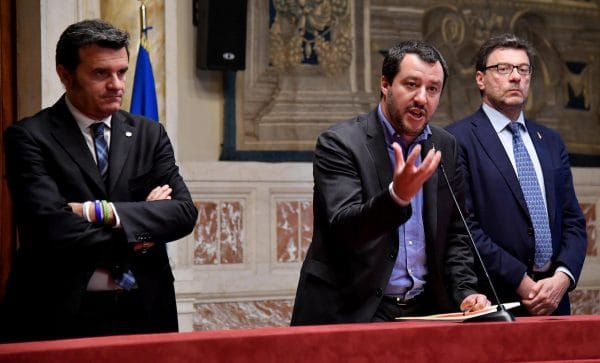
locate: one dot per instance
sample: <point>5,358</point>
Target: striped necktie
<point>101,148</point>
<point>533,198</point>
<point>125,279</point>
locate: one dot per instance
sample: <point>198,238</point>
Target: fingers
<point>76,208</point>
<point>544,297</point>
<point>408,177</point>
<point>140,246</point>
<point>412,156</point>
<point>474,302</point>
<point>432,161</point>
<point>160,193</point>
<point>399,155</point>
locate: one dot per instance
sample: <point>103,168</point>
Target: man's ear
<point>65,76</point>
<point>479,80</point>
<point>384,85</point>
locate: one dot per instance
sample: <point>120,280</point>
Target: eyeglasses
<point>507,68</point>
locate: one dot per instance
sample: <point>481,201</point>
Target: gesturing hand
<point>408,177</point>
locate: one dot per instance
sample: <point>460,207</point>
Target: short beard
<point>396,119</point>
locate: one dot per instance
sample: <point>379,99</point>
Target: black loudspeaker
<point>221,34</point>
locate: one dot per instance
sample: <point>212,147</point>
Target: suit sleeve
<point>459,259</point>
<point>161,220</point>
<point>41,210</point>
<point>341,175</point>
<point>573,238</point>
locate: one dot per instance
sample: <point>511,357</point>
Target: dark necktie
<point>101,149</point>
<point>125,279</point>
<point>533,198</point>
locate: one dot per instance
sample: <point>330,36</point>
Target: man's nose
<point>115,81</point>
<point>514,75</point>
<point>421,95</point>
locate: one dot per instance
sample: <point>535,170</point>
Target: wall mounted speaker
<point>221,26</point>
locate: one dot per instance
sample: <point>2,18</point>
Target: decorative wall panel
<point>294,229</point>
<point>219,232</point>
<point>313,63</point>
<point>266,213</point>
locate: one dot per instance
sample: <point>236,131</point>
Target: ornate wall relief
<point>312,63</point>
<point>305,70</point>
<point>563,95</point>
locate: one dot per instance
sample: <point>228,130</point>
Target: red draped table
<point>533,339</point>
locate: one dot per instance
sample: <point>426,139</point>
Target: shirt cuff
<point>396,198</point>
<point>117,220</point>
<point>568,273</point>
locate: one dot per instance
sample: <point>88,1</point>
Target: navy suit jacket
<point>355,238</point>
<point>499,219</point>
<point>48,165</point>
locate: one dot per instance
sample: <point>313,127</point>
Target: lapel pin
<point>129,134</point>
<point>539,135</point>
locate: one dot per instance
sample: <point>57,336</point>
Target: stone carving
<point>311,32</point>
<point>295,48</point>
<point>563,92</point>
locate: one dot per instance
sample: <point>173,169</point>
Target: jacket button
<point>530,231</point>
<point>392,256</point>
<point>378,292</point>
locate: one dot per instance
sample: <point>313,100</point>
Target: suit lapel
<point>430,189</point>
<point>67,134</point>
<point>377,149</point>
<point>491,145</point>
<point>121,138</point>
<point>541,149</point>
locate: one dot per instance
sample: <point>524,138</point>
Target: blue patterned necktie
<point>533,198</point>
<point>101,148</point>
<point>123,279</point>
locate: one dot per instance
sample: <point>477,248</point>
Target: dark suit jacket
<point>500,221</point>
<point>49,165</point>
<point>355,239</point>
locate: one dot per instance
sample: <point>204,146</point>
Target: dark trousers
<point>391,308</point>
<point>112,313</point>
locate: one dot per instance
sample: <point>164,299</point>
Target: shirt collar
<point>83,121</point>
<point>500,121</point>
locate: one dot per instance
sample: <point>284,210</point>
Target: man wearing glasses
<point>523,212</point>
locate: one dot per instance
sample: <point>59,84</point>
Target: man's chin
<point>514,100</point>
<point>112,107</point>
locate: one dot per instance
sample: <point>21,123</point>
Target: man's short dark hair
<point>509,41</point>
<point>86,33</point>
<point>426,51</point>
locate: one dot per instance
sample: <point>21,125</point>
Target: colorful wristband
<point>98,209</point>
<point>86,210</point>
<point>105,213</point>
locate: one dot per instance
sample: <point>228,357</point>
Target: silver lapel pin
<point>129,134</point>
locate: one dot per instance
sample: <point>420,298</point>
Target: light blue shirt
<point>408,276</point>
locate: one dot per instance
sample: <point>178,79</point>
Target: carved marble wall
<point>312,63</point>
